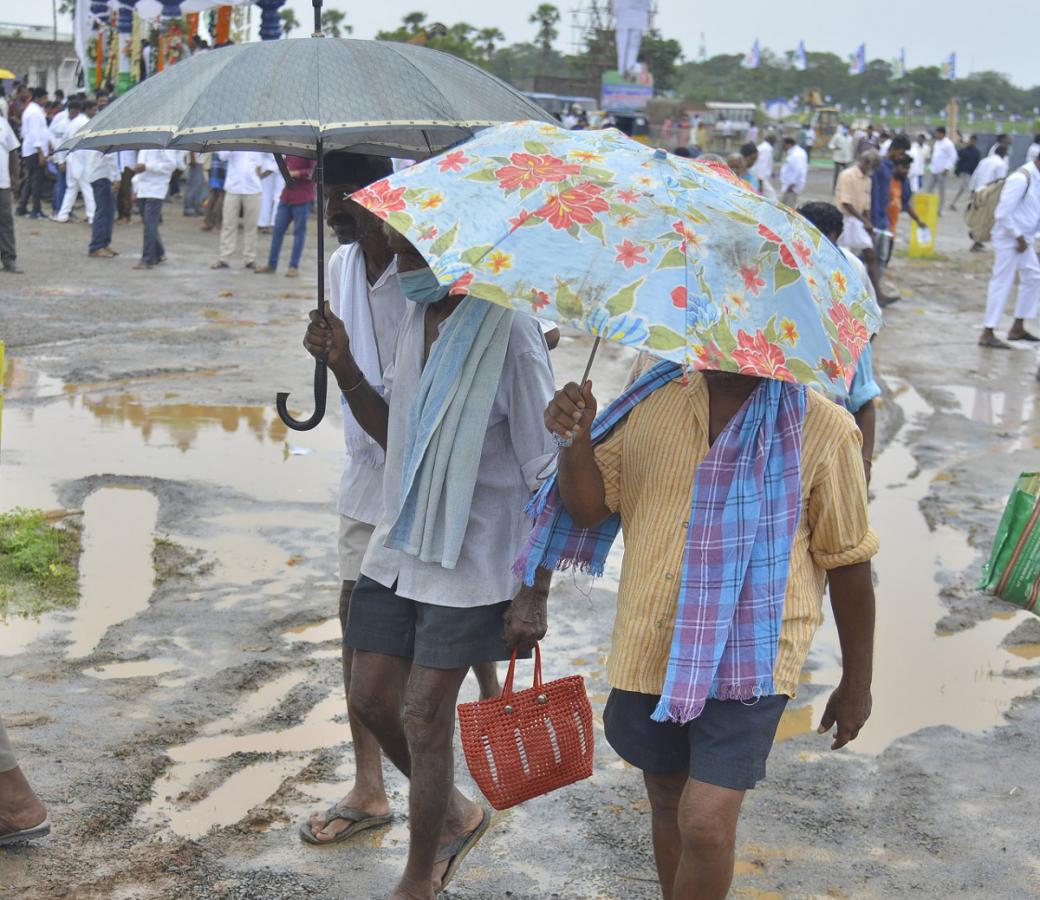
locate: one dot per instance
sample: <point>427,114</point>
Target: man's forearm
<point>852,599</point>
<point>581,484</point>
<point>366,404</point>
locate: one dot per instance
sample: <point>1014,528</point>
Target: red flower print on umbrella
<point>753,280</point>
<point>629,254</point>
<point>529,170</point>
<point>380,199</point>
<point>803,252</point>
<point>679,297</point>
<point>453,162</point>
<point>831,369</point>
<point>461,287</point>
<point>574,206</point>
<point>629,196</point>
<point>539,299</point>
<point>757,356</point>
<point>851,331</point>
<point>769,234</point>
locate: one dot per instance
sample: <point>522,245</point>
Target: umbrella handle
<point>321,378</point>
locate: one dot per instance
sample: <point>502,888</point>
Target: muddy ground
<point>183,719</point>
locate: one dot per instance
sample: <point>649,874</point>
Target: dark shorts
<point>440,637</point>
<point>727,745</point>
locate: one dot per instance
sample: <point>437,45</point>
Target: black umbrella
<point>306,97</point>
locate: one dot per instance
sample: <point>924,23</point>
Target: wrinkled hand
<point>571,411</point>
<point>849,708</point>
<point>1021,244</point>
<point>326,338</point>
<point>526,620</point>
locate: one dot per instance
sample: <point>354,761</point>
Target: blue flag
<point>858,61</point>
<point>800,62</point>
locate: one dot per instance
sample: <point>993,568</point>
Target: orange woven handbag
<point>525,744</point>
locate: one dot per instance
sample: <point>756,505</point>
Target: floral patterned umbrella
<point>659,253</point>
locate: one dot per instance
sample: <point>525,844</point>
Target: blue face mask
<point>422,287</point>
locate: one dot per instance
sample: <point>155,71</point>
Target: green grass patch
<point>38,564</point>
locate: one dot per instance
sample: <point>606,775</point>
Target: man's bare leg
<point>369,791</point>
<point>870,260</point>
<point>708,831</point>
<point>438,813</point>
<point>487,678</point>
<point>664,793</point>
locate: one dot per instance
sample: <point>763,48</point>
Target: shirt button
<point>686,525</point>
<point>667,576</point>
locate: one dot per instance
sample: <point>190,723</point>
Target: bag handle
<point>507,689</point>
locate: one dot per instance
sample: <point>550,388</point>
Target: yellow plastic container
<point>927,207</point>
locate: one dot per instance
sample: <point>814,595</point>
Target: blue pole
<point>270,21</point>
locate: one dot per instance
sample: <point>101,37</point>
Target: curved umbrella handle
<point>321,379</point>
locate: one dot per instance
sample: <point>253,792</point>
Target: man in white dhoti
<point>1015,230</point>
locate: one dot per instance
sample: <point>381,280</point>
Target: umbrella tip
<point>660,154</point>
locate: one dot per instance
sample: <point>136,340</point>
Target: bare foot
<point>20,808</point>
<point>373,804</point>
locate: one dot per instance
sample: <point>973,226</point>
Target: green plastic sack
<point>1013,570</point>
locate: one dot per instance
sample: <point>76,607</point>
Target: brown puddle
<point>144,668</point>
<point>920,679</point>
<point>241,448</point>
<point>116,575</point>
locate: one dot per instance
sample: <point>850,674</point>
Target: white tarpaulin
<point>152,9</point>
<point>631,19</point>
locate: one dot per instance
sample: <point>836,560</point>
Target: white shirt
<point>795,170</point>
<point>1018,212</point>
<point>99,165</point>
<point>58,126</point>
<point>126,159</point>
<point>72,127</point>
<point>361,485</point>
<point>841,145</point>
<point>517,447</point>
<point>8,142</point>
<point>919,155</point>
<point>990,169</point>
<point>154,181</point>
<point>35,134</point>
<point>242,165</point>
<point>763,166</point>
<point>1032,153</point>
<point>885,145</point>
<point>944,156</point>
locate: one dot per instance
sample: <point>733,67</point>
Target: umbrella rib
<point>177,131</point>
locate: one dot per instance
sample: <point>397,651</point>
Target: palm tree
<point>546,17</point>
<point>289,20</point>
<point>487,38</point>
<point>332,23</point>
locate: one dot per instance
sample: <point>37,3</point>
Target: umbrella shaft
<point>319,179</point>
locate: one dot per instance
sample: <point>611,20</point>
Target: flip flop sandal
<point>456,851</point>
<point>1024,337</point>
<point>359,819</point>
<point>26,834</point>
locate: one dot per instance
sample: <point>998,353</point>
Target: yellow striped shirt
<point>649,462</point>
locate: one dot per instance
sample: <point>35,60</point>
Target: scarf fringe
<point>681,712</point>
<point>555,562</point>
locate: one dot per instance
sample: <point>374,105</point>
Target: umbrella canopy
<point>378,97</point>
<point>657,252</point>
<point>7,73</point>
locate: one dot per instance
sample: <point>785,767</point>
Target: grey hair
<point>870,156</point>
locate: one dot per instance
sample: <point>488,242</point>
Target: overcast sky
<point>929,33</point>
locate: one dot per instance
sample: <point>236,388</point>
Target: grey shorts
<point>439,637</point>
<point>727,745</point>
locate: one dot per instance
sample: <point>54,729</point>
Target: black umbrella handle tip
<point>282,404</point>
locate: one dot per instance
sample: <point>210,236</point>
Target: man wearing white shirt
<point>991,168</point>
<point>243,186</point>
<point>920,154</point>
<point>36,145</point>
<point>1034,149</point>
<point>793,172</point>
<point>58,129</point>
<point>944,158</point>
<point>76,181</point>
<point>1015,228</point>
<point>8,252</point>
<point>102,169</point>
<point>152,181</point>
<point>840,146</point>
<point>763,167</point>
